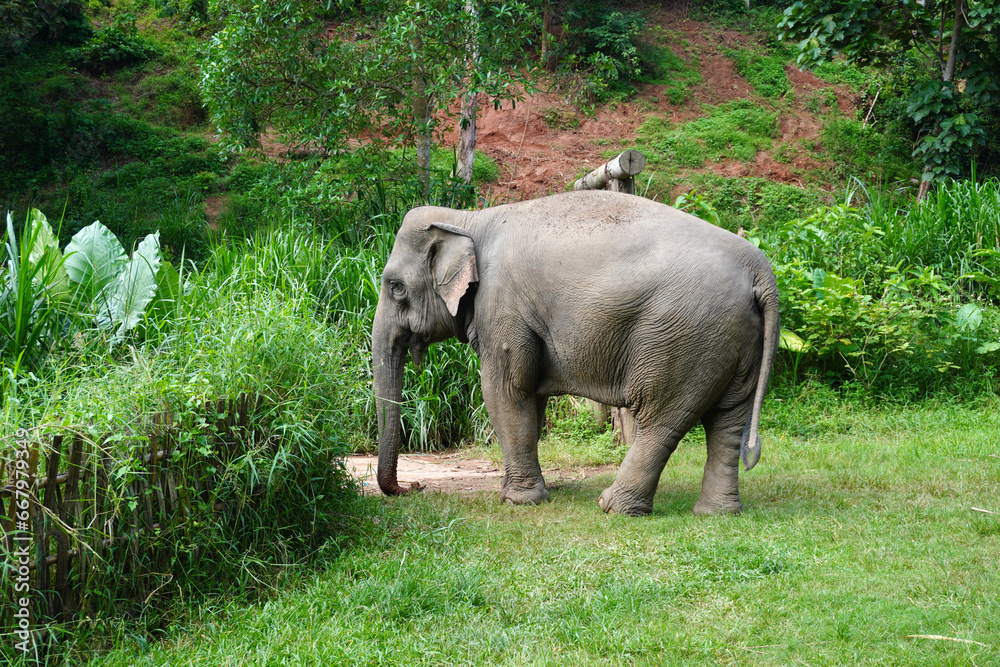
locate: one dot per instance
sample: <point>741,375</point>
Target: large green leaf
<point>45,251</point>
<point>969,317</point>
<point>790,341</point>
<point>125,300</point>
<point>164,306</point>
<point>94,259</point>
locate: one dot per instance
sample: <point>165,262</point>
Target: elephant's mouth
<point>417,353</point>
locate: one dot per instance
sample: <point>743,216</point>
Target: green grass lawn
<point>858,546</point>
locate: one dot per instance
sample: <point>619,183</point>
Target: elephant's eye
<point>397,288</point>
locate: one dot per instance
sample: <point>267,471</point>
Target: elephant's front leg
<point>517,417</point>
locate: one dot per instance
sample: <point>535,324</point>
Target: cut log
<point>626,165</point>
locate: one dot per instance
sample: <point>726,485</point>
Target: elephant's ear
<point>452,257</point>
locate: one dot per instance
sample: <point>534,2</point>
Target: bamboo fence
<point>81,519</point>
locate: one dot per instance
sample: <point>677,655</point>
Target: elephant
<point>599,294</point>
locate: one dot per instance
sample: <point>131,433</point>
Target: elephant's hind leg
<point>720,491</point>
<point>634,487</point>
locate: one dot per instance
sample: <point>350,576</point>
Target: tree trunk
<point>420,108</point>
<point>467,122</point>
<point>948,74</point>
<point>546,29</point>
<point>467,137</point>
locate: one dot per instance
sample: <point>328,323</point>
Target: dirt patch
<point>449,472</point>
<point>214,205</point>
<point>536,159</point>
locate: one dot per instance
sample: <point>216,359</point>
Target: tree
<point>23,20</point>
<point>954,39</point>
<point>332,79</point>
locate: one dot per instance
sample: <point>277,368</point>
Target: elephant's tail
<point>766,296</point>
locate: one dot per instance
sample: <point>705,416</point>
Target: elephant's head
<point>430,270</point>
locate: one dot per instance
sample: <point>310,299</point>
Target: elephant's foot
<point>615,501</point>
<point>718,506</point>
<point>521,495</point>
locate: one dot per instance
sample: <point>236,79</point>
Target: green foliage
<point>957,127</point>
<point>31,286</point>
<point>856,148</point>
<point>956,86</point>
<point>955,231</point>
<point>895,295</point>
<point>117,45</point>
<point>444,166</point>
<point>734,130</point>
<point>847,329</point>
<point>838,71</point>
<point>43,119</point>
<point>696,204</point>
<point>665,67</point>
<point>442,402</point>
<point>572,438</point>
<point>765,73</point>
<point>172,99</point>
<point>752,201</point>
<point>22,21</point>
<point>608,49</point>
<point>442,399</point>
<point>349,197</point>
<point>366,79</point>
<point>119,288</point>
<point>283,494</point>
<point>49,295</point>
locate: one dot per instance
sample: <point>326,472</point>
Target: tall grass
<point>30,313</point>
<point>955,230</point>
<point>243,330</point>
<point>896,294</point>
<point>442,403</point>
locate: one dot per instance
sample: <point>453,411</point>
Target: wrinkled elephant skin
<point>597,294</point>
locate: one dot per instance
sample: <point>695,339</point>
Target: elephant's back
<point>573,223</point>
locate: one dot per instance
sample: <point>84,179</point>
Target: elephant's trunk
<point>387,363</point>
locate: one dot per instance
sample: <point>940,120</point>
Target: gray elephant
<point>597,294</point>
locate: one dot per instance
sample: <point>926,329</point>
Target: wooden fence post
<point>617,174</point>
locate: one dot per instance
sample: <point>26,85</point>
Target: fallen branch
<point>977,509</point>
<point>625,165</point>
<point>871,109</point>
<point>946,639</point>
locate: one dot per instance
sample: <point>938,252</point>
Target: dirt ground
<point>451,472</point>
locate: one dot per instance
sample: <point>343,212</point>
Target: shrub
<point>604,44</point>
<point>894,294</point>
<point>115,46</point>
<point>765,73</point>
<point>734,130</point>
<point>22,21</point>
<point>857,148</point>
